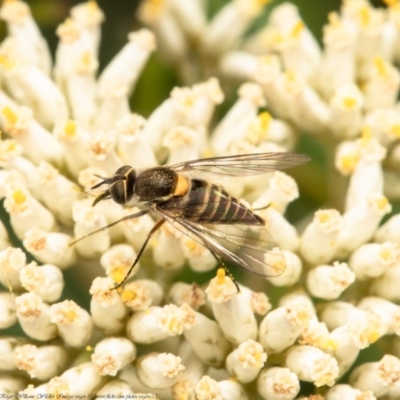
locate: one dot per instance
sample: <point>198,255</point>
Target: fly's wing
<point>242,165</point>
<point>249,247</point>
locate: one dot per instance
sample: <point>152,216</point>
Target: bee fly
<point>182,196</point>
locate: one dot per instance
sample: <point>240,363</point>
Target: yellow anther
<point>19,197</point>
<point>70,128</point>
<point>265,119</point>
<point>349,102</point>
<point>128,295</point>
<point>297,29</point>
<point>118,274</point>
<point>365,16</point>
<point>380,66</point>
<point>10,115</point>
<point>382,202</point>
<point>395,129</point>
<point>366,135</point>
<point>70,315</point>
<point>221,275</point>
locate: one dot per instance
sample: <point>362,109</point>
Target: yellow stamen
<point>365,16</point>
<point>366,135</point>
<point>380,66</point>
<point>221,275</point>
<point>349,102</point>
<point>70,128</point>
<point>118,274</point>
<point>10,115</point>
<point>128,295</point>
<point>395,129</point>
<point>19,197</point>
<point>382,202</point>
<point>297,29</point>
<point>70,315</point>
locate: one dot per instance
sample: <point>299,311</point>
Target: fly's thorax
<point>160,184</point>
<point>123,189</point>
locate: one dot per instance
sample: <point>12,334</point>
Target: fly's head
<point>120,186</point>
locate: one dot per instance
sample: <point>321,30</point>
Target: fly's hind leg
<point>223,266</point>
<point>153,230</point>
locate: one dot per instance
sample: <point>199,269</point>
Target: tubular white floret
<point>344,391</point>
<point>278,383</point>
<point>12,260</point>
<point>88,219</point>
<point>37,142</point>
<point>316,334</point>
<point>27,213</point>
<point>54,185</point>
<point>311,364</point>
<point>207,388</point>
<point>319,240</point>
<point>34,317</point>
<point>140,294</point>
<point>292,271</point>
<point>74,141</point>
<point>8,316</point>
<point>50,247</point>
<point>75,325</point>
<point>378,377</point>
<point>346,111</point>
<point>246,361</point>
<point>181,143</point>
<point>117,261</point>
<point>208,341</point>
<point>46,281</point>
<point>76,381</point>
<point>7,349</point>
<point>236,318</point>
<point>132,147</point>
<point>372,260</point>
<point>389,231</point>
<point>127,65</point>
<point>190,294</point>
<point>106,306</point>
<point>168,252</point>
<point>384,124</point>
<point>235,123</point>
<point>194,366</point>
<point>360,223</point>
<point>221,288</point>
<point>328,282</point>
<point>199,257</point>
<point>229,24</point>
<point>170,113</point>
<point>112,354</point>
<point>12,384</point>
<point>174,319</point>
<point>41,362</point>
<point>159,370</point>
<point>102,152</point>
<point>145,326</point>
<point>281,327</point>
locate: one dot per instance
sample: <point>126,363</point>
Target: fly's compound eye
<point>122,190</point>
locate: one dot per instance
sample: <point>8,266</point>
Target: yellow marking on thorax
<point>182,186</point>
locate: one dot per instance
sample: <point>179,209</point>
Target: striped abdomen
<point>209,203</point>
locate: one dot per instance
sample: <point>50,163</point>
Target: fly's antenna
<point>130,216</point>
<point>108,181</point>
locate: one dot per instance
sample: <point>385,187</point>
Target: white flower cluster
<point>64,124</point>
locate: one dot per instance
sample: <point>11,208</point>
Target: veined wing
<point>242,165</point>
<point>249,247</point>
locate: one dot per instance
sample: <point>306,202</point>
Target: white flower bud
<point>74,141</point>
<point>159,370</point>
<point>132,147</point>
<point>343,391</point>
<point>88,219</point>
<point>328,282</point>
<point>27,213</point>
<point>11,384</point>
<point>7,351</point>
<point>373,260</point>
<point>319,239</point>
<point>74,324</point>
<point>236,318</point>
<point>246,361</point>
<point>112,354</point>
<point>41,362</point>
<point>106,307</point>
<point>8,315</point>
<point>292,272</point>
<point>50,247</point>
<point>46,281</point>
<point>360,223</point>
<point>377,377</point>
<point>181,143</point>
<point>312,365</point>
<point>180,293</point>
<point>207,341</point>
<point>278,384</point>
<point>200,258</point>
<point>140,294</point>
<point>117,388</point>
<point>34,317</point>
<point>281,327</point>
<point>12,260</point>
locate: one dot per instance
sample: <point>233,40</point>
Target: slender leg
<point>222,265</point>
<point>154,229</point>
<point>131,216</point>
